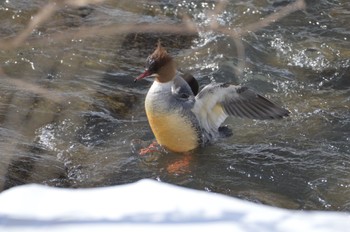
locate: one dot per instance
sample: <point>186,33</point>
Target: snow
<point>149,205</point>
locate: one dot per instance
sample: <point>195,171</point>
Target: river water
<point>71,116</point>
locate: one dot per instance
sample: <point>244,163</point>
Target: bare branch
<point>187,27</point>
<point>45,13</point>
<point>33,88</point>
<point>80,3</point>
<point>283,12</point>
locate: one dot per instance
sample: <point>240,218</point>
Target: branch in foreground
<point>188,27</point>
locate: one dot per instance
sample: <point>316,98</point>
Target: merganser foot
<point>154,147</point>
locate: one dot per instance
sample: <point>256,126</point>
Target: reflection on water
<point>82,131</point>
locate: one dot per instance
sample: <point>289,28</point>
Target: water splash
<point>312,58</point>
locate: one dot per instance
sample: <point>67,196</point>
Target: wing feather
<point>217,101</point>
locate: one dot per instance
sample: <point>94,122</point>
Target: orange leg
<point>153,147</point>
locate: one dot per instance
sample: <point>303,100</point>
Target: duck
<point>183,118</point>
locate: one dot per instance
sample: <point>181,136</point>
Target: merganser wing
<point>215,102</point>
<point>181,89</point>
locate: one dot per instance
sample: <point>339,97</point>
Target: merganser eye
<point>151,64</point>
<point>149,61</point>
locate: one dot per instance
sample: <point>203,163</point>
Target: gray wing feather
<point>218,101</point>
<point>249,104</point>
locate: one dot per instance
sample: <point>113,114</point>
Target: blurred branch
<point>238,33</point>
<point>80,3</point>
<point>187,27</point>
<point>87,32</point>
<point>44,14</point>
<point>33,88</point>
<point>40,18</point>
<point>283,12</point>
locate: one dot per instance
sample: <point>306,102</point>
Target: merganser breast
<point>171,120</point>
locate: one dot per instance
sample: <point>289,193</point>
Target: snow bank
<point>149,205</point>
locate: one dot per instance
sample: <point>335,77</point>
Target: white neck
<point>158,87</point>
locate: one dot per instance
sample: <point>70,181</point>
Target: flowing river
<point>71,115</point>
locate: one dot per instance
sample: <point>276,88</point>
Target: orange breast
<point>174,132</point>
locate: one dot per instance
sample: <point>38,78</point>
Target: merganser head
<point>159,65</point>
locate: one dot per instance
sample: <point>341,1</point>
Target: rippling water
<point>88,139</point>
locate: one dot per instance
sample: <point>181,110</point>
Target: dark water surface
<point>74,116</point>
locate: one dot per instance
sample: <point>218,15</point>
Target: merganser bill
<point>182,121</point>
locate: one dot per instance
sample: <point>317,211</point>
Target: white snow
<point>149,205</point>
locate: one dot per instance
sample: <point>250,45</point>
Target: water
<point>71,115</point>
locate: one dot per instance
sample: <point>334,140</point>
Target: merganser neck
<point>166,73</point>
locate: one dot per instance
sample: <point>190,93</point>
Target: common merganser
<point>181,120</point>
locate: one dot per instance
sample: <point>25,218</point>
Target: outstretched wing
<point>217,101</point>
